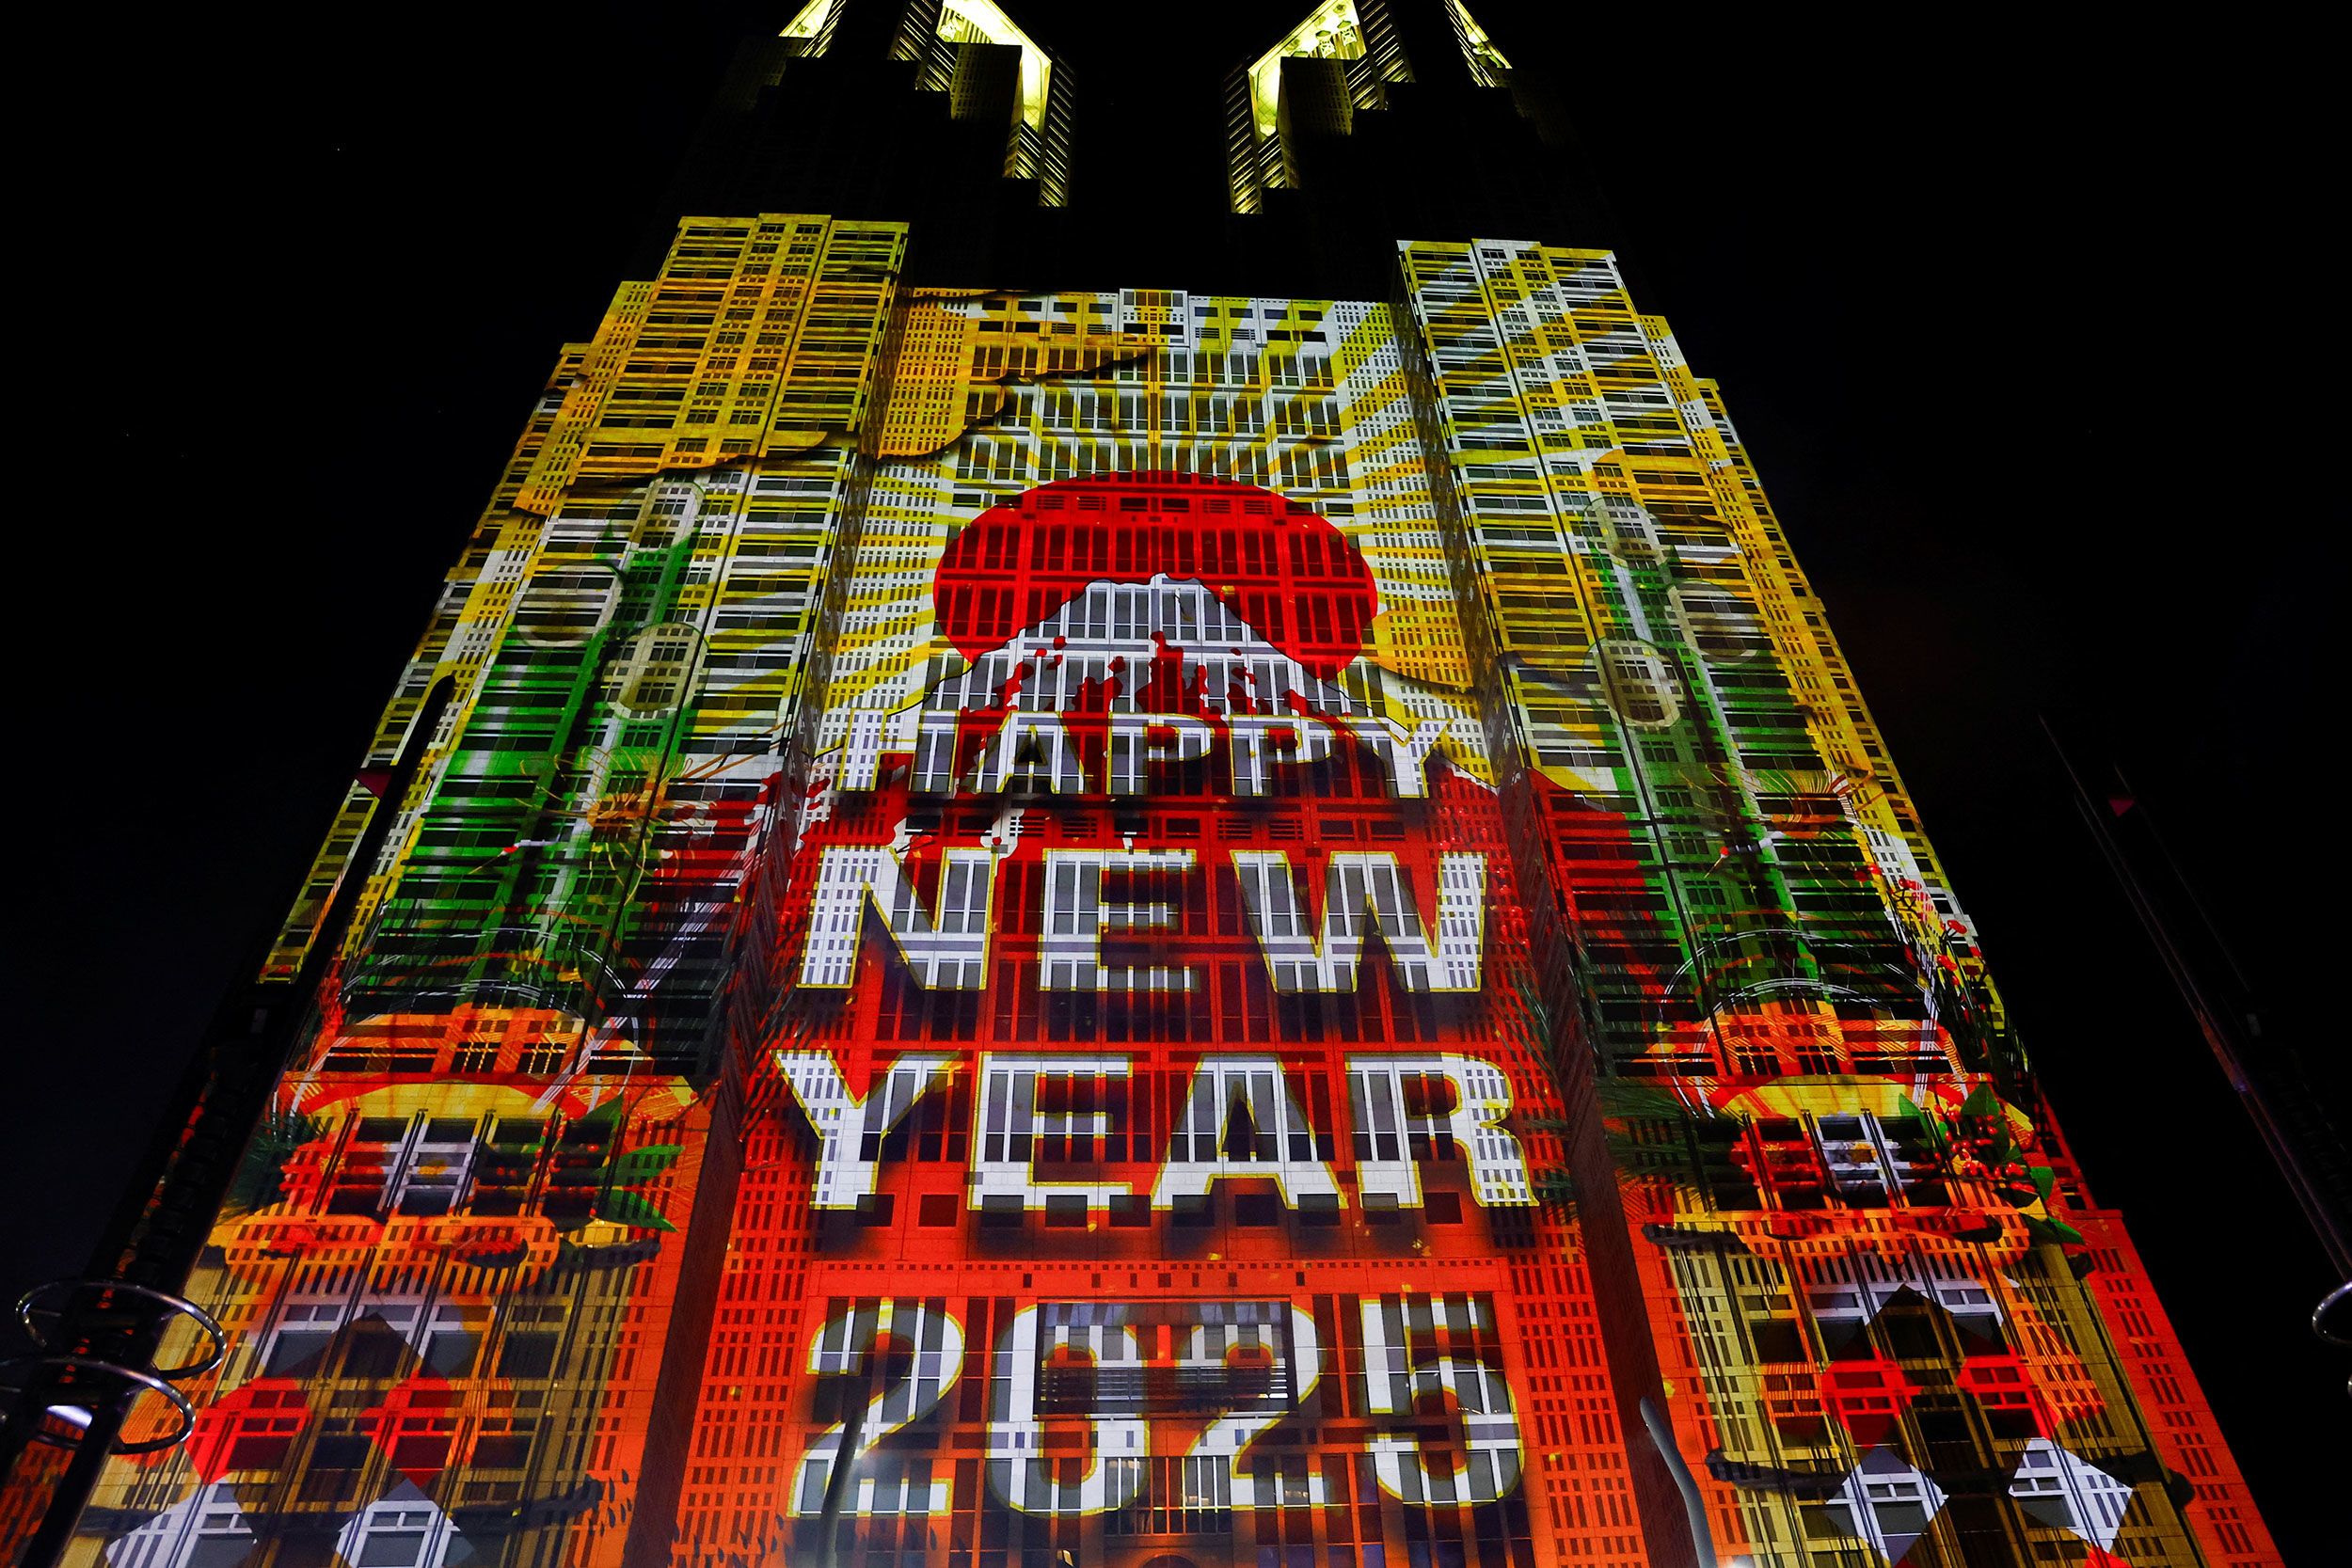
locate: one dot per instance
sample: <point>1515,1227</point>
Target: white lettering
<point>1280,1142</point>
<point>947,951</point>
<point>1388,1125</point>
<point>1077,917</point>
<point>1258,743</point>
<point>1407,754</point>
<point>1364,894</point>
<point>1135,745</point>
<point>850,1131</point>
<point>1008,1120</point>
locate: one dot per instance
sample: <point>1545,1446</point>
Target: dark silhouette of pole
<point>2308,1155</point>
<point>103,1347</point>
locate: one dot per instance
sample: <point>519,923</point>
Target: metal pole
<point>158,1231</point>
<point>1693,1506</point>
<point>2220,1036</point>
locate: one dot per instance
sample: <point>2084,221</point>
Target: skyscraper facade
<point>1142,927</point>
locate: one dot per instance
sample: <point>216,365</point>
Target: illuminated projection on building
<point>1154,931</point>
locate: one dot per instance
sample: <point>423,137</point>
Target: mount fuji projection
<point>1159,670</point>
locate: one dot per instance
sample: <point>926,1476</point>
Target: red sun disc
<point>1280,565</point>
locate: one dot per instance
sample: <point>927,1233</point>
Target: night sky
<point>2023,326</point>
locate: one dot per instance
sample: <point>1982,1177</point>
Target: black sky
<point>2028,324</point>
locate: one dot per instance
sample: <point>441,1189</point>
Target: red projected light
<point>1280,566</point>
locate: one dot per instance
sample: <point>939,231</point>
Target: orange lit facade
<point>1195,929</point>
<point>1154,930</point>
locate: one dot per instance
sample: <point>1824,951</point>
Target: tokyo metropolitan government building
<point>1005,926</point>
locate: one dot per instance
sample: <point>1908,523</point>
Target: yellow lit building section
<point>988,67</point>
<point>1331,32</point>
<point>982,22</point>
<point>931,377</point>
<point>811,21</point>
<point>1266,115</point>
<point>1486,62</point>
<point>757,341</point>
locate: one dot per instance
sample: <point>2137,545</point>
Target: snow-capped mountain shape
<point>1110,633</point>
<point>1169,651</point>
